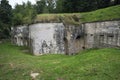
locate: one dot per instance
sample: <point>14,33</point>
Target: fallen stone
<point>33,75</point>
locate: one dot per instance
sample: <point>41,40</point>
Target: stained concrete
<point>47,38</point>
<point>58,38</point>
<point>102,34</point>
<point>19,35</point>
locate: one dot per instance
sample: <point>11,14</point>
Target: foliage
<point>110,13</point>
<point>45,6</point>
<point>5,18</point>
<point>94,64</point>
<point>72,6</point>
<point>5,12</point>
<point>24,14</point>
<point>59,7</point>
<point>116,2</point>
<point>50,5</point>
<point>40,6</point>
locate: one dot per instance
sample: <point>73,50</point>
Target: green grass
<point>94,64</point>
<point>110,13</point>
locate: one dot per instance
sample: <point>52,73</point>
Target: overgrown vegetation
<point>95,64</point>
<point>72,6</point>
<point>5,18</point>
<point>24,14</point>
<point>110,13</point>
<point>67,18</point>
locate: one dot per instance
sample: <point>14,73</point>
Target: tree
<point>5,18</point>
<point>29,13</point>
<point>102,3</point>
<point>59,6</point>
<point>5,12</point>
<point>116,2</point>
<point>40,5</point>
<point>68,6</point>
<point>50,5</point>
<point>45,6</point>
<point>24,14</point>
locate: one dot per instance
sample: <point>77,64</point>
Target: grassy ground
<point>95,64</point>
<point>110,13</point>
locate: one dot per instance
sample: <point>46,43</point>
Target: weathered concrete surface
<point>102,34</point>
<point>74,39</point>
<point>46,38</point>
<point>58,38</point>
<point>19,35</point>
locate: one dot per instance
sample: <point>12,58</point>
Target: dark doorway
<point>66,46</point>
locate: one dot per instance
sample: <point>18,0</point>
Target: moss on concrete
<point>110,13</point>
<point>73,18</point>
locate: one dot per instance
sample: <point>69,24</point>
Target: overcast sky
<point>13,2</point>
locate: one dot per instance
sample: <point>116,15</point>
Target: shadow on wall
<point>66,46</point>
<point>68,39</point>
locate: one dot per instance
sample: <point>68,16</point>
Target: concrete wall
<point>74,39</point>
<point>19,35</point>
<point>56,38</point>
<point>46,38</point>
<point>102,34</point>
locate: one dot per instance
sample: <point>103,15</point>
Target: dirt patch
<point>1,65</point>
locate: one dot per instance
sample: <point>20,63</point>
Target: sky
<point>13,2</point>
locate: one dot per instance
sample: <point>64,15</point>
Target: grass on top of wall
<point>110,13</point>
<point>67,18</point>
<point>94,64</point>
